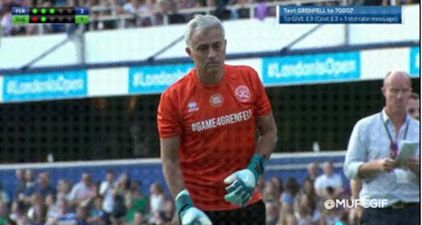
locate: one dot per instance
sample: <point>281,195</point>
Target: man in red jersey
<point>207,122</point>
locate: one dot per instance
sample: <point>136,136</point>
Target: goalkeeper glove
<point>242,183</point>
<point>188,214</point>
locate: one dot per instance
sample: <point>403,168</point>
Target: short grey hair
<point>200,23</point>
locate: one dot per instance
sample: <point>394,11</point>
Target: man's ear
<point>188,51</point>
<point>383,90</point>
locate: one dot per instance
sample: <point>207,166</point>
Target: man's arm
<point>185,208</point>
<point>241,184</point>
<point>171,164</point>
<point>267,139</point>
<point>356,162</point>
<point>370,168</point>
<point>355,187</point>
<point>414,166</point>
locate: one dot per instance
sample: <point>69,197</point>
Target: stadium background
<point>312,115</point>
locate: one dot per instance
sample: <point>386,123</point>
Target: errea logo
<point>193,106</point>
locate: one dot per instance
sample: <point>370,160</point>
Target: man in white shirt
<point>83,191</point>
<point>371,153</point>
<point>328,179</point>
<point>106,190</point>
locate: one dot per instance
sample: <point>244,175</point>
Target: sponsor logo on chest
<point>242,93</point>
<point>216,100</point>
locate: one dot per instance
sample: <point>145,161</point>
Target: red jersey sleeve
<point>262,103</point>
<point>168,121</point>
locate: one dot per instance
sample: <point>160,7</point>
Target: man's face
<point>413,108</point>
<point>86,178</point>
<point>397,92</point>
<point>208,49</point>
<point>313,169</point>
<point>328,168</point>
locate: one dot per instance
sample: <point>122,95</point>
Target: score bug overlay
<point>25,15</point>
<point>339,14</point>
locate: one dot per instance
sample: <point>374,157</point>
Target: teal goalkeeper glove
<point>188,214</point>
<point>242,183</point>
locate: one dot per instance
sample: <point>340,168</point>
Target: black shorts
<point>251,215</point>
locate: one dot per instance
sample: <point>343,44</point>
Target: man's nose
<point>400,94</point>
<point>212,53</point>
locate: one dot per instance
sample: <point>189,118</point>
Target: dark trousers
<point>251,215</point>
<point>390,216</point>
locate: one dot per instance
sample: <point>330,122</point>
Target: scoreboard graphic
<point>26,15</point>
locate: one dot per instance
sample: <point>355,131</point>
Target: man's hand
<point>241,184</point>
<point>375,166</point>
<point>355,215</point>
<point>413,165</point>
<point>188,214</point>
<point>386,164</point>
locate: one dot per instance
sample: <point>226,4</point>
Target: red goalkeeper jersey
<point>217,125</point>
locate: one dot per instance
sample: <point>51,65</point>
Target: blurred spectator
<point>243,11</point>
<point>51,207</point>
<point>42,186</point>
<point>413,106</point>
<point>185,4</point>
<point>143,11</point>
<point>149,19</point>
<point>308,187</point>
<point>81,215</point>
<point>271,211</point>
<point>139,219</point>
<point>332,215</point>
<point>63,189</point>
<point>168,10</point>
<point>37,211</point>
<point>96,215</point>
<point>106,8</point>
<point>119,210</point>
<point>7,28</point>
<point>221,11</point>
<point>135,201</point>
<point>4,213</point>
<point>20,184</point>
<point>313,170</point>
<point>83,191</point>
<point>64,215</point>
<point>106,191</point>
<point>306,212</point>
<point>291,188</point>
<point>18,211</point>
<point>157,199</point>
<point>169,211</point>
<point>134,6</point>
<point>261,10</point>
<point>29,178</point>
<point>328,179</point>
<point>277,185</point>
<point>211,3</point>
<point>268,194</point>
<point>4,197</point>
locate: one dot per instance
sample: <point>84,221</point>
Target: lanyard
<point>393,144</point>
